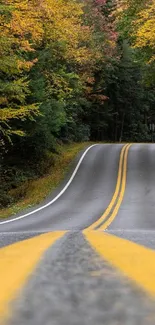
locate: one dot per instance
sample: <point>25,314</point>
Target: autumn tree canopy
<point>72,71</point>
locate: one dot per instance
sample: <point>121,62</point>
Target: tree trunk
<point>122,127</point>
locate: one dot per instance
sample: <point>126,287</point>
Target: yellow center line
<point>115,195</point>
<point>134,261</point>
<point>18,261</point>
<point>122,192</point>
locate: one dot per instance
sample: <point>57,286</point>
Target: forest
<point>72,71</point>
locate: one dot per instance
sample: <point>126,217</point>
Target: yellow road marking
<point>122,192</point>
<point>114,198</point>
<point>17,262</point>
<point>135,261</point>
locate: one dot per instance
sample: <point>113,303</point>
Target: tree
<point>135,26</point>
<point>19,27</point>
<point>73,71</point>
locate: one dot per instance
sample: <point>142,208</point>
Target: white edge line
<point>58,196</point>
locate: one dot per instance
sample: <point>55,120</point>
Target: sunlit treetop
<point>145,30</point>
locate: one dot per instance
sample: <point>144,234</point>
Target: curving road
<point>138,208</point>
<point>90,192</point>
<point>95,248</point>
<point>84,200</point>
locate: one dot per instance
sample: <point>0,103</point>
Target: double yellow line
<point>18,262</point>
<point>112,210</point>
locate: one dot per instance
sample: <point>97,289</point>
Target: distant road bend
<point>83,197</point>
<point>99,177</point>
<point>94,240</point>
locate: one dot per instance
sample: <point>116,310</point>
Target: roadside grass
<point>35,191</point>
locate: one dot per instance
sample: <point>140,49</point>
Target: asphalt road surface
<point>84,200</point>
<point>86,254</point>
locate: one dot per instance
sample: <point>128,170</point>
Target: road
<point>86,254</point>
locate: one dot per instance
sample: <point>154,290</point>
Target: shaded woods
<point>72,71</point>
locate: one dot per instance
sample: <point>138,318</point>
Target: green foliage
<point>71,71</point>
<point>14,85</point>
<point>136,27</point>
